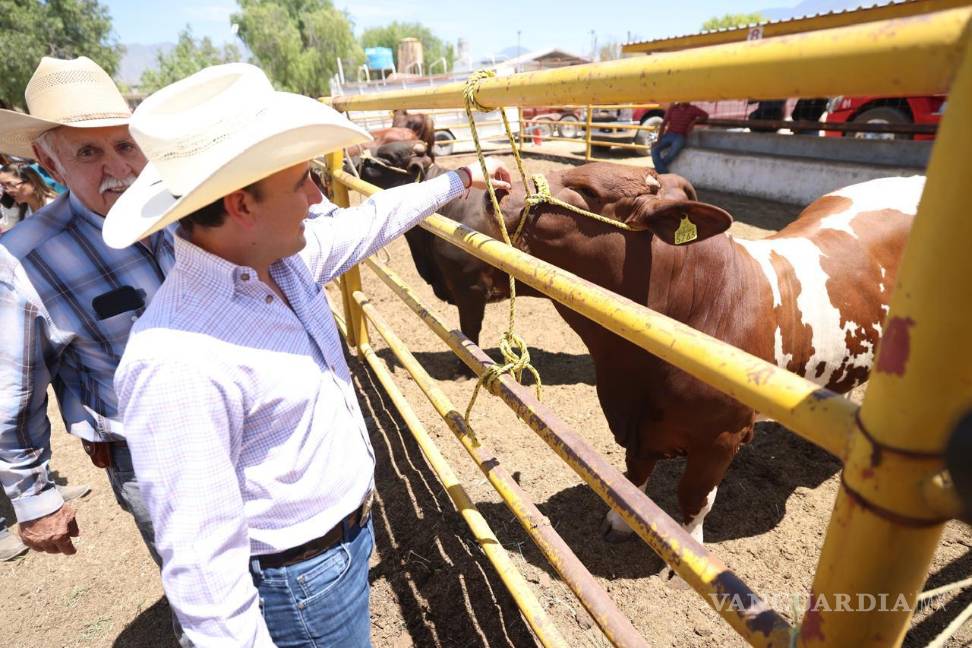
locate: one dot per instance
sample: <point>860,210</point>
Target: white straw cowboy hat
<point>212,133</point>
<point>74,93</point>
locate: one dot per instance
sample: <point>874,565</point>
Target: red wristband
<point>465,184</point>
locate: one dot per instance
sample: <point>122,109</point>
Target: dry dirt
<point>431,585</point>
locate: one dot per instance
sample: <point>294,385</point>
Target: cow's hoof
<point>613,535</point>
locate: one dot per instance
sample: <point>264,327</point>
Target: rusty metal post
<point>350,280</point>
<point>587,133</point>
<point>883,533</point>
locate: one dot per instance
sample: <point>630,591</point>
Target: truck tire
<point>648,138</point>
<point>568,127</point>
<point>880,115</point>
<point>446,148</point>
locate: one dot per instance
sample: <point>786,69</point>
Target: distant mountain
<point>812,7</point>
<point>139,58</point>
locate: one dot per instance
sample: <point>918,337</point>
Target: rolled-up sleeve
<point>28,358</point>
<point>351,234</point>
<point>184,431</point>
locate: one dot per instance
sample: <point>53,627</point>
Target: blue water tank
<point>379,58</point>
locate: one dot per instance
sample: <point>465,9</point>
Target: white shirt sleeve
<point>184,431</point>
<point>351,234</point>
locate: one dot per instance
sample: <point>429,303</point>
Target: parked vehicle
<point>564,122</point>
<point>885,110</point>
<point>649,115</point>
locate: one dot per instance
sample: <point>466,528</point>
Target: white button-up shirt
<point>244,428</point>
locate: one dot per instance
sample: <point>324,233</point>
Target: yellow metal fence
<point>893,502</point>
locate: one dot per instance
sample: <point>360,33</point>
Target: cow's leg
<point>614,528</point>
<point>472,308</point>
<point>704,470</point>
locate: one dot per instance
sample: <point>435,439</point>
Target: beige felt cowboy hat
<point>212,133</point>
<point>74,93</point>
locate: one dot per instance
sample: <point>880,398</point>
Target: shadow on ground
<point>448,592</point>
<point>150,629</point>
<point>751,501</point>
<point>556,367</point>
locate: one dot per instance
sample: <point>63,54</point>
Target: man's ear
<point>239,207</point>
<point>678,222</point>
<point>48,163</point>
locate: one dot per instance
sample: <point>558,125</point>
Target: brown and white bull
<point>811,298</point>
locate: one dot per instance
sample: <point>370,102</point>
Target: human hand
<point>501,177</point>
<point>52,533</point>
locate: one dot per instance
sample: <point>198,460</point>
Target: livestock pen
<point>895,494</point>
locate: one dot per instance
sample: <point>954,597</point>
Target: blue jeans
<point>3,528</point>
<point>322,601</point>
<point>665,149</point>
<point>124,484</point>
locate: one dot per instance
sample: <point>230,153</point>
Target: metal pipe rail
<point>534,613</point>
<point>814,413</point>
<point>560,556</point>
<point>690,560</point>
<point>861,60</point>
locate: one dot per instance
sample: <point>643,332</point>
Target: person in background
<point>28,189</point>
<point>674,129</point>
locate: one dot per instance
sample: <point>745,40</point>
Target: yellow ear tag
<point>686,232</point>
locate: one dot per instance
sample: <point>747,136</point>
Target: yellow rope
<point>516,355</point>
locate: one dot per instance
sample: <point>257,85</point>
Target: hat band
<point>70,119</point>
<point>202,142</point>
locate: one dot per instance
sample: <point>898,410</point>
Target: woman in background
<point>27,188</point>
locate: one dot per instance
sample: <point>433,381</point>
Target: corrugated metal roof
<point>777,22</point>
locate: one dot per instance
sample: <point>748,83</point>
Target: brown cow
<point>404,128</point>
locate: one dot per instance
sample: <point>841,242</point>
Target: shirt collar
<point>214,272</point>
<point>80,211</point>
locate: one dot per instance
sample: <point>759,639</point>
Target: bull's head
<point>666,205</point>
<point>395,164</point>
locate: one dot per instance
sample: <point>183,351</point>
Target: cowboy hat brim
<point>18,130</point>
<point>292,130</point>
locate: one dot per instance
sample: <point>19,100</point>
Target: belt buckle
<point>366,508</point>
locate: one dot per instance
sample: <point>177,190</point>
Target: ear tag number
<point>686,232</point>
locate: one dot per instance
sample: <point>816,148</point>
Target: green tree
<point>729,21</point>
<point>30,29</point>
<point>609,51</point>
<point>187,57</point>
<point>298,42</point>
<point>433,48</point>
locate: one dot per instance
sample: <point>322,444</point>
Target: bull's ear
<point>679,222</point>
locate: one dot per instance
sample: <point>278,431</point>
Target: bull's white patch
<point>828,337</point>
<point>694,526</point>
<point>618,525</point>
<point>901,194</point>
<point>782,360</point>
<point>652,181</point>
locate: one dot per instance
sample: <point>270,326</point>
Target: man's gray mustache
<point>109,184</point>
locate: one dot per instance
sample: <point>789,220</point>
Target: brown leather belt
<point>311,548</point>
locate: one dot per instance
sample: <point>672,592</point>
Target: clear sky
<point>487,25</point>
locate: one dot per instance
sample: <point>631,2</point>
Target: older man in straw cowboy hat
<point>67,300</point>
<point>246,434</point>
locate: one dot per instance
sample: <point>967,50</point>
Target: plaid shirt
<point>244,427</point>
<point>52,266</point>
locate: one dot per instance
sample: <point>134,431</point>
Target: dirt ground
<point>431,585</point>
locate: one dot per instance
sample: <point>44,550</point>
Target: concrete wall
<point>793,169</point>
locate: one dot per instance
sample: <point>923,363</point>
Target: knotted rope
<point>515,353</point>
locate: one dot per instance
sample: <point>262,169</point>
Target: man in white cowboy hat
<point>246,434</point>
<point>67,300</point>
